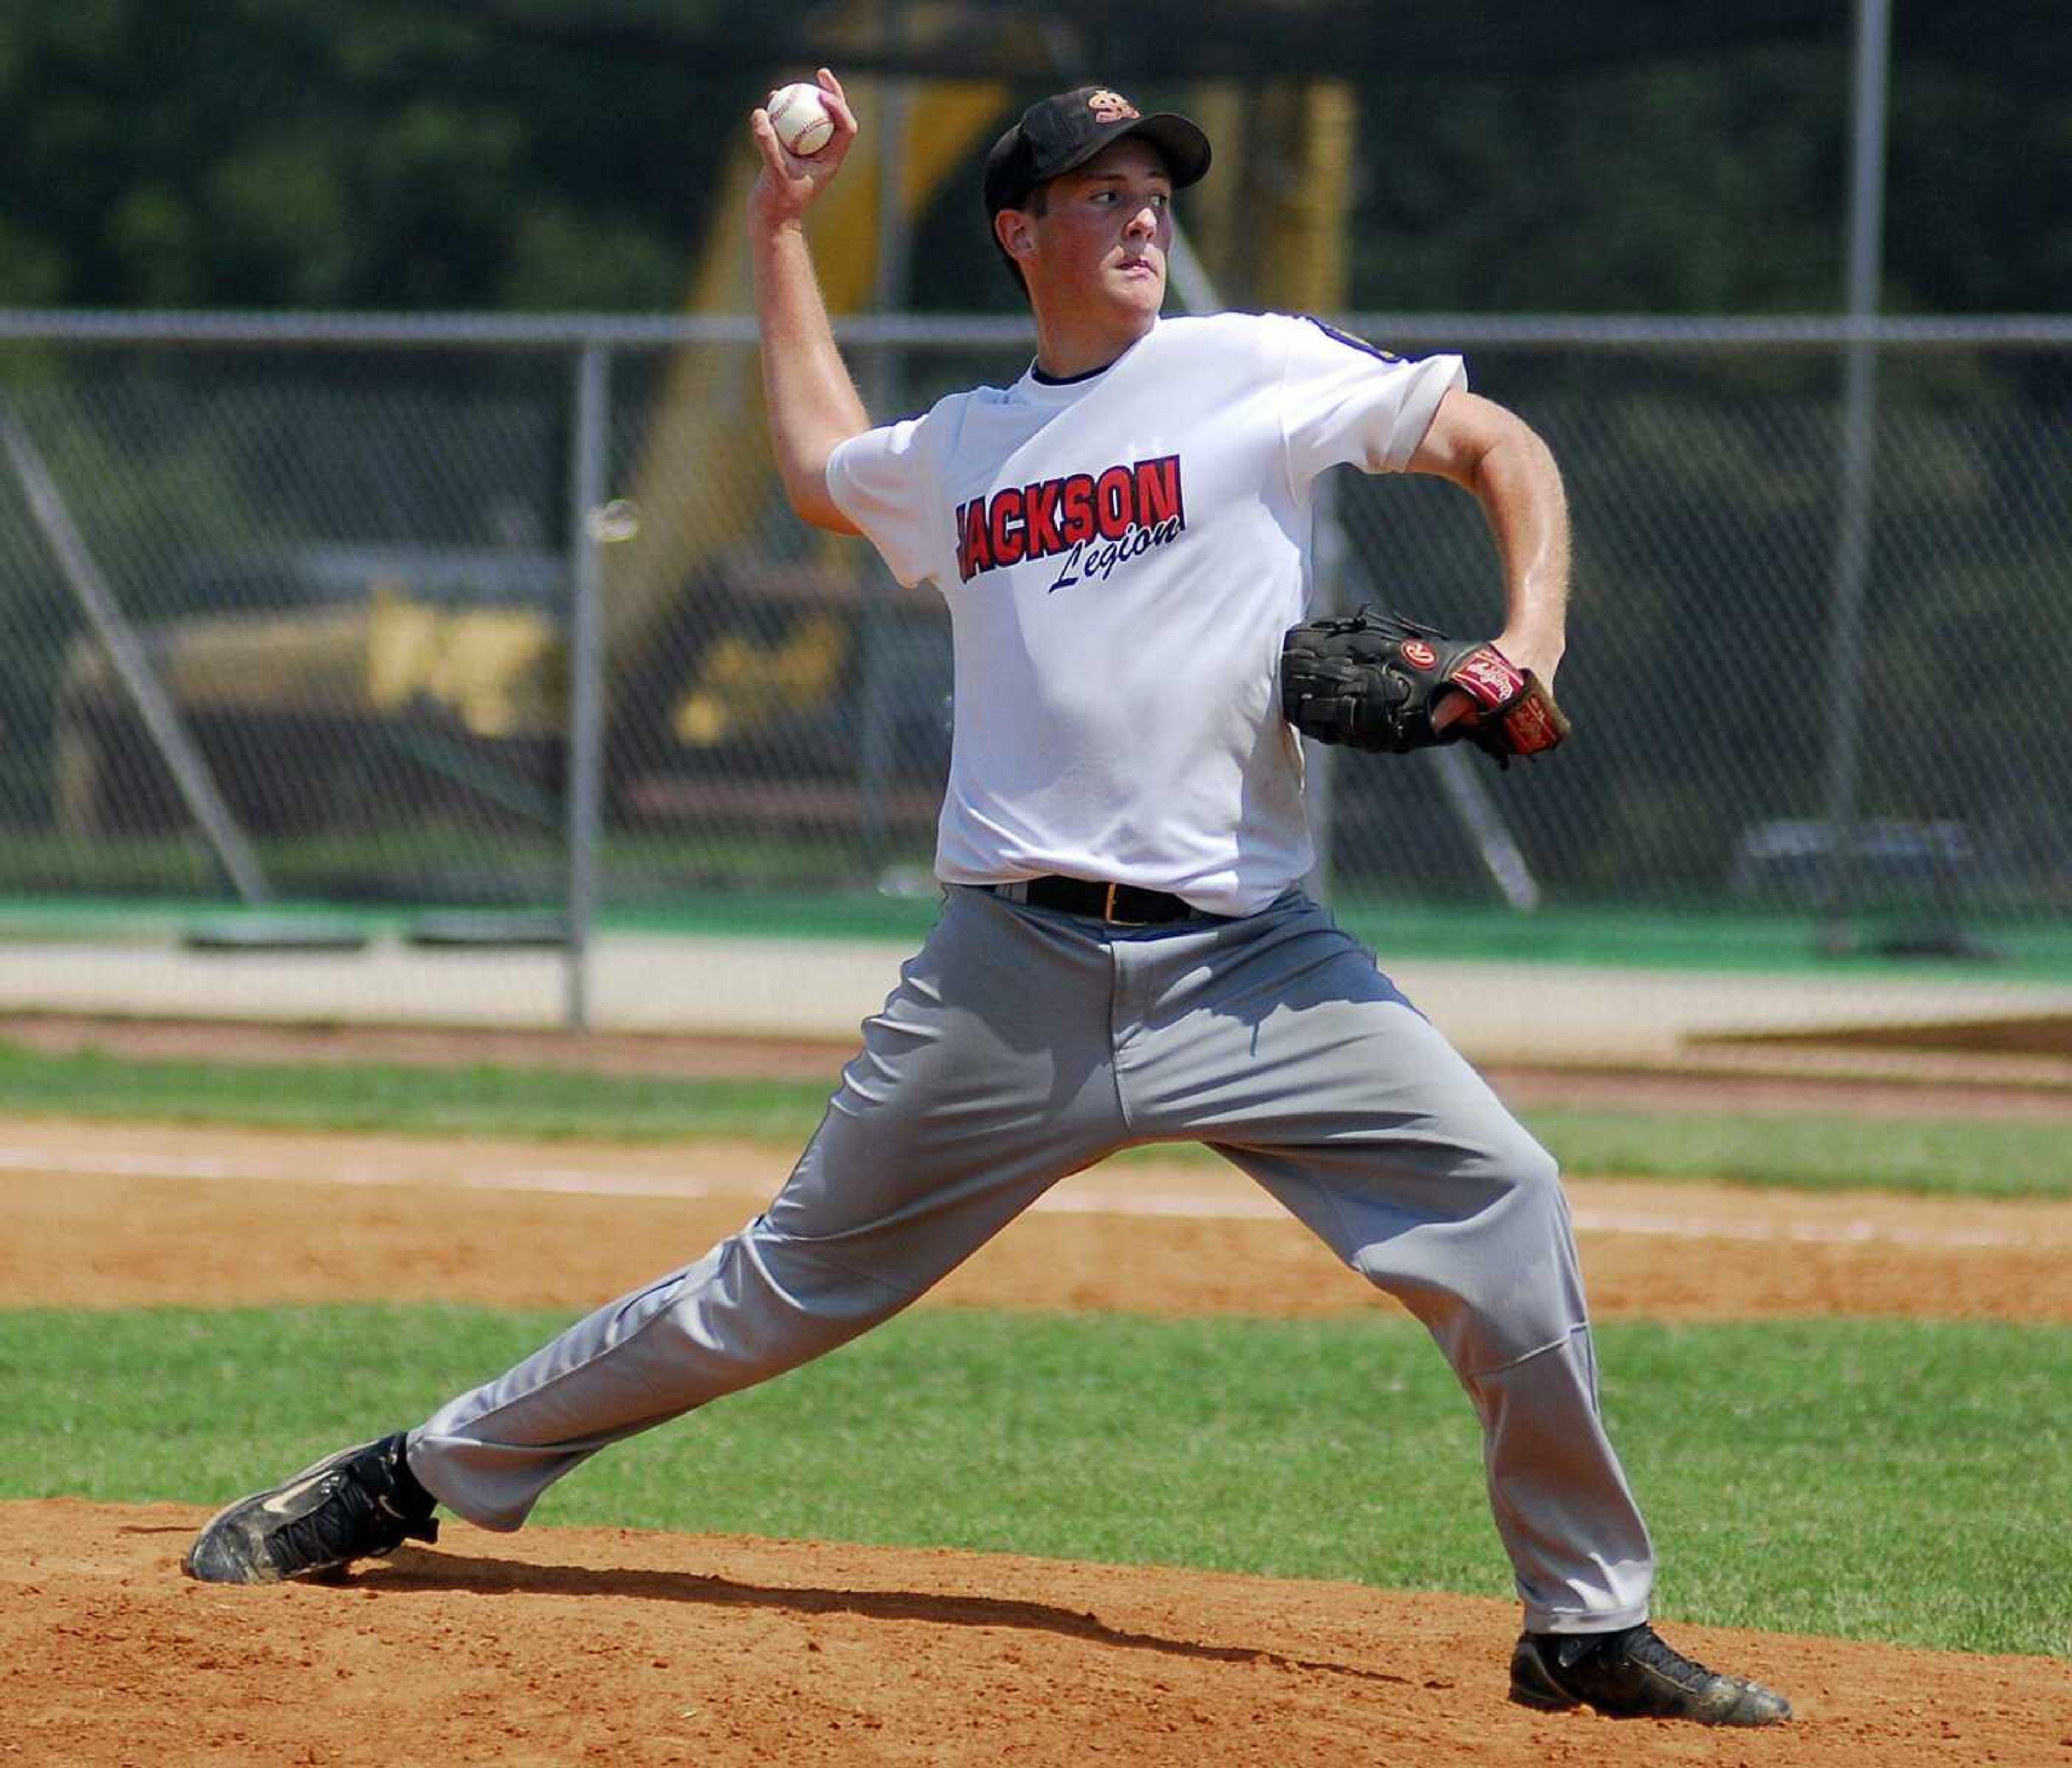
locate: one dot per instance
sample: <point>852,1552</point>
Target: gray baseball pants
<point>1022,1045</point>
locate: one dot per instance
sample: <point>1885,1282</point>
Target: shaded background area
<point>350,540</point>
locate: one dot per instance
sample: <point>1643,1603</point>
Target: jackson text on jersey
<point>1093,522</point>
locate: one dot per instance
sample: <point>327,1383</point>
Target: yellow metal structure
<point>1271,223</point>
<point>499,670</point>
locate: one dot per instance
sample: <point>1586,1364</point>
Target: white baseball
<point>799,115</point>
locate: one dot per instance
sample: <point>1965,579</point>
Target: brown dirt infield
<point>566,1646</point>
<point>125,1215</point>
<point>603,1647</point>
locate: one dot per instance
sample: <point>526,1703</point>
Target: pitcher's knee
<point>1508,1286</point>
<point>1516,1156</point>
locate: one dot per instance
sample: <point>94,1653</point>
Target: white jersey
<point>1121,554</point>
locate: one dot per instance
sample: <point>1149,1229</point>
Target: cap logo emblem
<point>1110,107</point>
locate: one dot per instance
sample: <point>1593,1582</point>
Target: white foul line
<point>606,1182</point>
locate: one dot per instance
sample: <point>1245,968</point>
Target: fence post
<point>592,420</point>
<point>1858,482</point>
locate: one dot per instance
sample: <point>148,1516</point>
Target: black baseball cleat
<point>1633,1674</point>
<point>360,1502</point>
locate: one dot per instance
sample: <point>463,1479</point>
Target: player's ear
<point>1016,231</point>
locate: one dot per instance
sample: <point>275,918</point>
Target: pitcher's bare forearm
<point>811,402</point>
<point>1496,455</point>
<point>1519,488</point>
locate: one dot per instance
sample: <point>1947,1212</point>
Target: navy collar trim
<point>1042,380</point>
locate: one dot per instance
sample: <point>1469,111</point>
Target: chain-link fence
<point>511,617</point>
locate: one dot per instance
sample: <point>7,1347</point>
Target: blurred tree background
<point>1661,156</point>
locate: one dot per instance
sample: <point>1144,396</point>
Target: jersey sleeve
<point>1347,402</point>
<point>888,481</point>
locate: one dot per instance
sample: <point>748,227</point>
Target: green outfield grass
<point>1879,1479</point>
<point>1972,1157</point>
<point>1955,1156</point>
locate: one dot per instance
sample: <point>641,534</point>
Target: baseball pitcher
<point>1125,954</point>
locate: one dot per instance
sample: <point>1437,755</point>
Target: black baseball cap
<point>1057,133</point>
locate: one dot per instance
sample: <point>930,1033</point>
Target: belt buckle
<point>1109,915</point>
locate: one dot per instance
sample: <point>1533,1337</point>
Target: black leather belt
<point>1123,904</point>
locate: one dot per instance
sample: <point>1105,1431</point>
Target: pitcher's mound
<point>609,1647</point>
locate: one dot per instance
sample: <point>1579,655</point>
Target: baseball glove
<point>1373,680</point>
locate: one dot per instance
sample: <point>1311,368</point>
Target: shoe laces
<point>1648,1647</point>
<point>353,1517</point>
